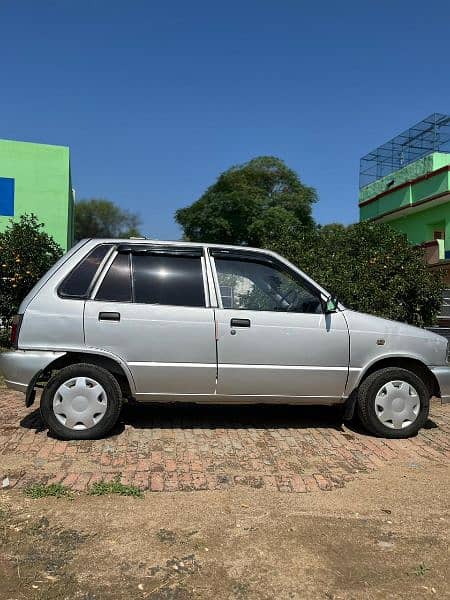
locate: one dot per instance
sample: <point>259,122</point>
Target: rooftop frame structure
<point>428,136</point>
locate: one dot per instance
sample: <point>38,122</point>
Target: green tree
<point>250,203</point>
<point>100,218</point>
<point>26,253</point>
<point>370,267</point>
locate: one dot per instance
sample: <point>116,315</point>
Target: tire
<point>377,402</point>
<point>92,412</point>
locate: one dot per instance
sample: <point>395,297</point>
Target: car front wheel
<point>81,402</point>
<point>393,403</point>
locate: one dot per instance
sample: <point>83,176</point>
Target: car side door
<point>273,336</point>
<point>152,310</point>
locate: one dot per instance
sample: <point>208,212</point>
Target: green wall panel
<point>398,199</point>
<point>419,226</point>
<point>42,182</point>
<point>437,184</point>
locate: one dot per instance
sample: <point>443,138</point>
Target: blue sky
<point>155,99</point>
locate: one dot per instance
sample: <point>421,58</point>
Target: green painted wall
<point>419,226</point>
<point>42,185</point>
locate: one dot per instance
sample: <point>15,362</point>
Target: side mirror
<point>330,305</point>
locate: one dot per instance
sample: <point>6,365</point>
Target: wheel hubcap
<point>397,404</point>
<point>80,403</point>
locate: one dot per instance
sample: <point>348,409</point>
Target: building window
<point>6,197</point>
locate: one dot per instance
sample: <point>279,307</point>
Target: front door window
<point>258,285</point>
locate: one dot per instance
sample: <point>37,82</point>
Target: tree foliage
<point>100,218</point>
<point>26,253</point>
<point>248,203</point>
<point>370,267</point>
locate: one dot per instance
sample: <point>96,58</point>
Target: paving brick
<point>170,482</point>
<point>141,480</point>
<point>199,481</point>
<point>82,482</point>
<point>70,479</point>
<point>209,447</point>
<point>297,483</point>
<point>323,482</point>
<point>57,477</point>
<point>311,484</point>
<point>156,482</point>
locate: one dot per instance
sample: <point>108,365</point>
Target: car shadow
<point>215,416</point>
<point>356,426</point>
<point>33,420</point>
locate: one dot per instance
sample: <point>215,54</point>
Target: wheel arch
<point>402,362</point>
<point>112,364</point>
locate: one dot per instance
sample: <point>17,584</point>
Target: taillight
<point>15,329</point>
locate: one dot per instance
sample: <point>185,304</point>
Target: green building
<point>35,178</point>
<point>406,182</point>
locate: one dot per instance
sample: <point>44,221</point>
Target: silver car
<point>116,320</point>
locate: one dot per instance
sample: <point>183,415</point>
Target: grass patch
<point>41,490</point>
<point>104,488</point>
<point>421,570</point>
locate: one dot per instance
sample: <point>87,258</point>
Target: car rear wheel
<point>393,403</point>
<point>81,402</point>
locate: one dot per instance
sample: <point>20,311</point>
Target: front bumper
<point>442,375</point>
<point>20,366</point>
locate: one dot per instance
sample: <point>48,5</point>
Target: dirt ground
<point>384,535</point>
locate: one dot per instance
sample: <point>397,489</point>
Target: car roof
<point>141,241</point>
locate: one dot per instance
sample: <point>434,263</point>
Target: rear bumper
<point>442,375</point>
<point>20,366</point>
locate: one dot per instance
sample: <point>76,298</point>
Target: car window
<point>165,279</point>
<point>255,285</point>
<point>78,281</point>
<point>116,286</point>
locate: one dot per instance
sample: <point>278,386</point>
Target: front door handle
<point>240,323</point>
<point>109,316</point>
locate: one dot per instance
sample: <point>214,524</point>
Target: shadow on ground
<point>206,416</point>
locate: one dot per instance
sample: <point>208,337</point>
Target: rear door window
<point>164,279</point>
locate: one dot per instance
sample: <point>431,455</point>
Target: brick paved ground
<point>167,448</point>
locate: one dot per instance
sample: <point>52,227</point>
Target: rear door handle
<point>240,323</point>
<point>109,316</point>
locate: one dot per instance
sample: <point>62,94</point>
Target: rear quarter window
<point>116,286</point>
<point>78,282</point>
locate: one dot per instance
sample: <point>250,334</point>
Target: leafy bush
<point>370,267</point>
<point>26,253</point>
